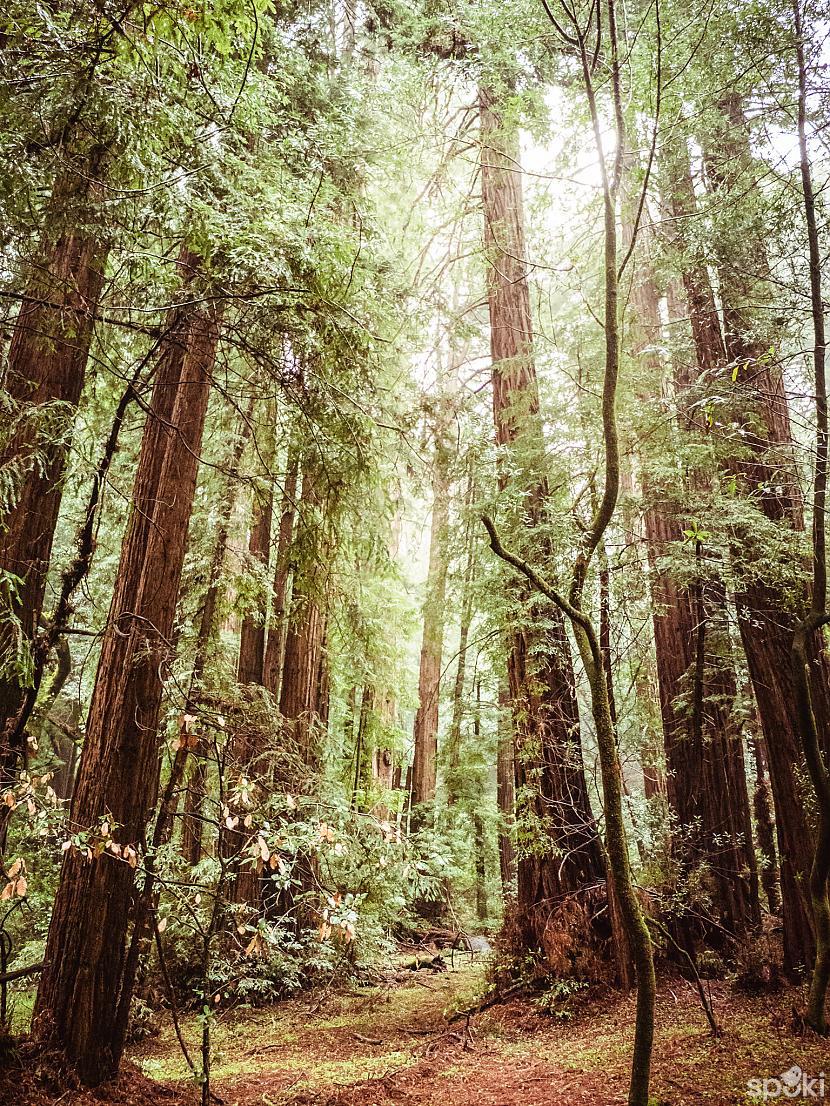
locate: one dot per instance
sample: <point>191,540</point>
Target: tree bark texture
<point>706,784</point>
<point>506,794</point>
<point>425,732</point>
<point>275,644</point>
<point>548,753</point>
<point>251,667</point>
<point>762,465</point>
<point>304,670</point>
<point>118,778</point>
<point>46,366</point>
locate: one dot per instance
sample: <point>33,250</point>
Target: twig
<point>705,1000</point>
<point>485,1004</point>
<point>368,1040</point>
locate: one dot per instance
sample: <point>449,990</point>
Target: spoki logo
<point>794,1083</point>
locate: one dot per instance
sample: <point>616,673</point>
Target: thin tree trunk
<point>251,666</point>
<point>453,771</point>
<point>383,757</point>
<point>362,756</point>
<point>275,645</point>
<point>244,881</point>
<point>633,932</point>
<point>765,826</point>
<point>192,823</point>
<point>506,794</point>
<point>301,685</point>
<point>479,843</point>
<point>71,579</point>
<point>809,630</point>
<point>425,758</point>
<point>83,981</point>
<point>479,837</point>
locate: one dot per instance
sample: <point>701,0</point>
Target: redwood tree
<point>425,732</point>
<point>759,458</point>
<point>44,377</point>
<point>706,783</point>
<point>548,757</point>
<point>302,686</point>
<point>83,978</point>
<point>275,643</point>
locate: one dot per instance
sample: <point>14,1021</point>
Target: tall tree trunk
<point>548,757</point>
<point>425,757</point>
<point>251,666</point>
<point>696,676</point>
<point>192,823</point>
<point>506,793</point>
<point>362,752</point>
<point>453,755</point>
<point>83,978</point>
<point>809,630</point>
<point>479,837</point>
<point>46,368</point>
<point>275,645</point>
<point>303,665</point>
<point>765,827</point>
<point>764,472</point>
<point>146,900</point>
<point>244,885</point>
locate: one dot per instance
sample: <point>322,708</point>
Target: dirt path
<point>395,1045</point>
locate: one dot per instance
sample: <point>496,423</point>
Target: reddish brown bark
<point>192,823</point>
<point>83,979</point>
<point>275,645</point>
<point>453,773</point>
<point>303,670</point>
<point>425,732</point>
<point>541,679</point>
<point>763,465</point>
<point>251,666</point>
<point>506,794</point>
<point>244,885</point>
<point>706,783</point>
<point>46,365</point>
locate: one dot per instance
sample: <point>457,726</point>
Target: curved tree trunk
<point>83,977</point>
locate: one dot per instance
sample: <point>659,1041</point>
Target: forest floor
<point>396,1045</point>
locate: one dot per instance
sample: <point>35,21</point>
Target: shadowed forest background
<point>414,682</point>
